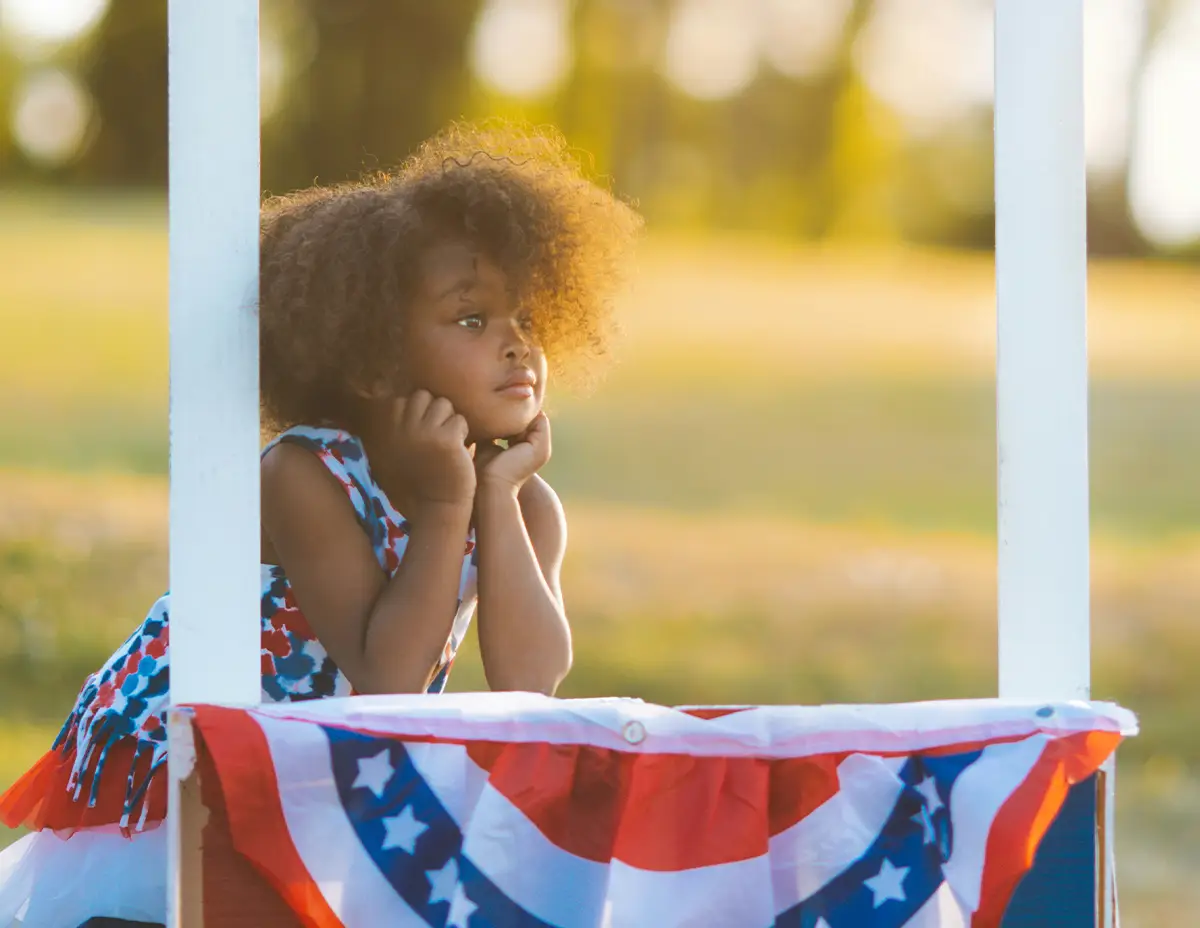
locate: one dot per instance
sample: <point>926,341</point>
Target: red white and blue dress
<point>96,800</point>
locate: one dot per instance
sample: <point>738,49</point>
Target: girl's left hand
<point>526,454</point>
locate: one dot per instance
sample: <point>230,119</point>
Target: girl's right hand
<point>430,438</point>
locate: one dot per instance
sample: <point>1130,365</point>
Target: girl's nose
<point>516,342</point>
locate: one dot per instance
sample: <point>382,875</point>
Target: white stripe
<point>765,731</point>
<point>941,910</point>
<point>838,832</point>
<point>975,798</point>
<point>356,890</point>
<point>725,896</point>
<point>455,779</point>
<point>545,880</point>
<point>556,886</point>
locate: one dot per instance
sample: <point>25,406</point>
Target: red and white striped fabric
<point>519,810</point>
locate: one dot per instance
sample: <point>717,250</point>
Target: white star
<point>461,909</point>
<point>444,882</point>
<point>925,820</point>
<point>928,789</point>
<point>888,883</point>
<point>403,831</point>
<point>374,773</point>
<point>821,923</point>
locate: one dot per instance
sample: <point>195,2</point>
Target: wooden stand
<point>218,887</point>
<point>192,818</point>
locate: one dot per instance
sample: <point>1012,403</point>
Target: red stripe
<point>799,786</point>
<point>1023,819</point>
<point>713,712</point>
<point>238,748</point>
<point>690,811</point>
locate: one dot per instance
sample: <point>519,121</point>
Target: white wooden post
<point>1042,377</point>
<point>1041,364</point>
<point>214,497</point>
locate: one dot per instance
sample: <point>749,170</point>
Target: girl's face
<point>469,341</point>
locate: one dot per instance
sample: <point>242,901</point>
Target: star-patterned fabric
<point>505,809</point>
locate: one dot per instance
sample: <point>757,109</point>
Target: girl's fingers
<point>414,410</point>
<point>439,412</point>
<point>538,434</point>
<point>486,453</point>
<point>399,404</point>
<point>458,425</point>
<point>539,424</point>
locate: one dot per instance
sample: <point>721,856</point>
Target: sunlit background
<point>785,490</point>
<point>668,94</point>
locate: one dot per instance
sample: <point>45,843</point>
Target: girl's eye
<point>473,321</point>
<point>527,324</point>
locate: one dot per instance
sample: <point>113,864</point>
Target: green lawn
<point>784,492</point>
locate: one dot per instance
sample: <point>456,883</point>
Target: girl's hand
<point>430,438</point>
<point>510,468</point>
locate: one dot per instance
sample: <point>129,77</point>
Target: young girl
<point>408,327</point>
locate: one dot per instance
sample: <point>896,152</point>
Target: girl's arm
<point>524,637</point>
<point>385,635</point>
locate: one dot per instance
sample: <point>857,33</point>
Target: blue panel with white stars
<point>413,840</point>
<point>903,868</point>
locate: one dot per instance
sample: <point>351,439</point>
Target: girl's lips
<point>521,384</point>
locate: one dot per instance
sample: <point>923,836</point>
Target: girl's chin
<point>499,428</point>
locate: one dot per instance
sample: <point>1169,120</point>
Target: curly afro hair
<point>339,264</point>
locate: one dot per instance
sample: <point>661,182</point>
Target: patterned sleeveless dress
<point>106,770</point>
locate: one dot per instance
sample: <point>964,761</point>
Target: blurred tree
<point>612,103</point>
<point>945,185</point>
<point>762,159</point>
<point>1111,227</point>
<point>125,69</point>
<point>9,73</point>
<point>381,78</point>
<point>860,146</point>
<point>354,85</point>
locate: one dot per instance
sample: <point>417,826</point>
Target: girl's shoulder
<point>340,451</point>
<point>342,454</point>
<point>321,440</point>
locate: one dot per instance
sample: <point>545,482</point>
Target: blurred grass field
<point>783,492</point>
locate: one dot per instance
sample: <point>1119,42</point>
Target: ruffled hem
<point>49,882</point>
<point>46,797</point>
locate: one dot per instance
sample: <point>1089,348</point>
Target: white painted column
<point>214,500</point>
<point>1041,366</point>
<point>214,197</point>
